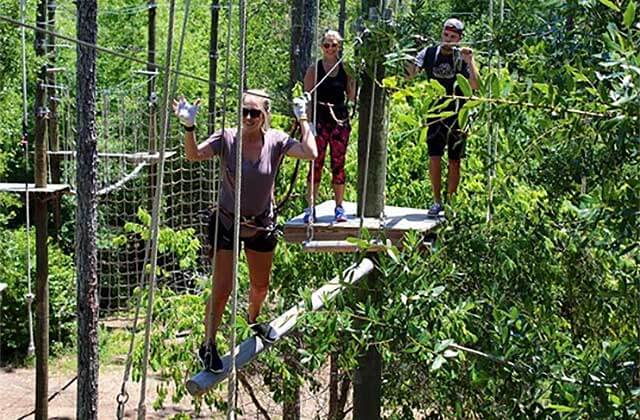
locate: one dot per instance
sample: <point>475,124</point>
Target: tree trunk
<point>334,379</point>
<point>342,16</point>
<point>372,144</point>
<point>339,385</point>
<point>40,222</point>
<point>303,29</point>
<point>372,98</point>
<point>86,214</point>
<point>291,406</point>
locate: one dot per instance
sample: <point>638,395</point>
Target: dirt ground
<point>18,396</point>
<point>17,387</point>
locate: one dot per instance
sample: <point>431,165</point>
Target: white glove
<point>185,111</point>
<point>300,107</point>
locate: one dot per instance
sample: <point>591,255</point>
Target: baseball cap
<point>455,25</point>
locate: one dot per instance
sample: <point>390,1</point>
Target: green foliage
<point>184,244</point>
<point>14,323</point>
<point>532,315</point>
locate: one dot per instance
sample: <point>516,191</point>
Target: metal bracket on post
<point>153,99</point>
<point>373,14</point>
<point>42,112</point>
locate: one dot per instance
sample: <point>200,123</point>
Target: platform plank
<point>397,221</point>
<point>21,188</point>
<point>343,246</point>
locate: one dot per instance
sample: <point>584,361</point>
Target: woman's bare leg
<point>259,275</point>
<point>221,289</point>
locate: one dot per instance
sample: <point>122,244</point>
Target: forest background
<point>535,313</point>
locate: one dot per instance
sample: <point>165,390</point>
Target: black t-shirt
<point>332,91</point>
<point>443,68</point>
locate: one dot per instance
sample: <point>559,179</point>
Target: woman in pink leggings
<point>331,118</point>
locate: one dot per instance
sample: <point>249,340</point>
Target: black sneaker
<point>209,358</point>
<point>264,331</point>
<point>435,210</point>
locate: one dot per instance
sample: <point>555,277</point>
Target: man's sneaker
<point>209,358</point>
<point>340,214</point>
<point>308,218</point>
<point>435,209</point>
<point>264,331</point>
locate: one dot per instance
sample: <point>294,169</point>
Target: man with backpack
<point>443,63</point>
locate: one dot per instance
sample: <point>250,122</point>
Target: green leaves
<point>610,4</point>
<point>561,408</point>
<point>629,14</point>
<point>464,85</point>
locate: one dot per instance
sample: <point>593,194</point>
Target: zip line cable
<point>105,50</point>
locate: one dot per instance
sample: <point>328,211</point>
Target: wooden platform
<point>398,221</point>
<point>21,188</point>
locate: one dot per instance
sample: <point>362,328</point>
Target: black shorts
<point>262,241</point>
<point>446,132</point>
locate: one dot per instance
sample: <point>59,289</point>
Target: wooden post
<point>152,97</point>
<point>52,122</point>
<point>342,16</point>
<point>372,142</point>
<point>213,64</point>
<point>87,213</point>
<point>40,222</point>
<point>303,29</point>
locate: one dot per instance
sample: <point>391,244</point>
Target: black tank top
<point>331,91</point>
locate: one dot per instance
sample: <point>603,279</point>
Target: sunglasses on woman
<point>327,45</point>
<point>255,113</point>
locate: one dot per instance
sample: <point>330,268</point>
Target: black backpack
<point>430,58</point>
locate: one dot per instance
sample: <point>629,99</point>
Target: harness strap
<point>248,221</point>
<point>332,113</point>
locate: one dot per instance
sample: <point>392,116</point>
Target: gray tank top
<point>258,177</point>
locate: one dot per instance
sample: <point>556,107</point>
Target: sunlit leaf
<point>630,14</point>
<point>561,408</point>
<point>438,362</point>
<point>610,4</point>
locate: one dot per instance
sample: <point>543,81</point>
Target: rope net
<point>127,171</point>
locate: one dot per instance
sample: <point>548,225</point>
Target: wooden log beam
<point>285,323</point>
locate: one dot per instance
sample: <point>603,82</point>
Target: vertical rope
<point>232,397</point>
<point>156,204</point>
<point>312,194</point>
<point>222,127</point>
<point>490,139</point>
<point>25,145</point>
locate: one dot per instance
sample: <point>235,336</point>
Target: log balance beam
<point>285,323</point>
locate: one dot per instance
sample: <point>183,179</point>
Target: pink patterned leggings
<point>336,136</point>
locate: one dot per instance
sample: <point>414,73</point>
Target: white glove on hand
<point>185,111</point>
<point>300,107</point>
